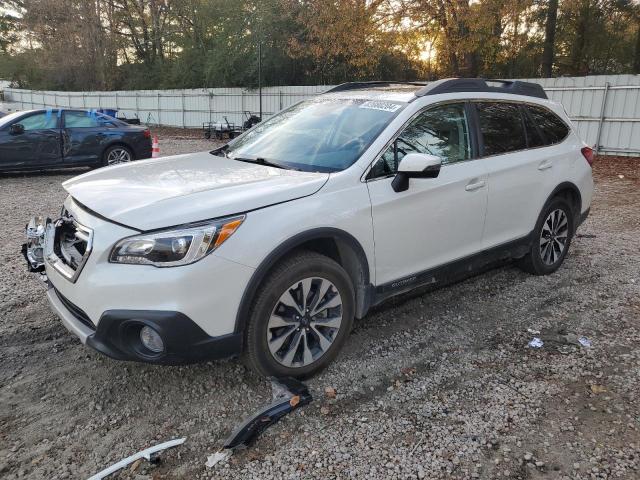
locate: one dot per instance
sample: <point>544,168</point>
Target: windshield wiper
<point>223,150</point>
<point>263,161</point>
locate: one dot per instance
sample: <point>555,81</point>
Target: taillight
<point>588,154</point>
<point>147,133</point>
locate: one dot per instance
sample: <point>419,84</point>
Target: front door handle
<point>474,185</point>
<point>545,165</point>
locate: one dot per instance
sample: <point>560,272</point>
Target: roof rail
<point>362,85</point>
<point>453,85</point>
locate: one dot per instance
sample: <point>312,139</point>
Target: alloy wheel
<point>304,322</point>
<point>118,155</point>
<point>553,238</point>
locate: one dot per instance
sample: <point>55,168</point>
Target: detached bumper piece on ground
<point>150,454</point>
<point>288,395</point>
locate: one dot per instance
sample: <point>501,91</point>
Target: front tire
<point>551,239</point>
<point>301,317</point>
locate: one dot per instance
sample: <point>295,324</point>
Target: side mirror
<point>415,165</point>
<point>16,129</point>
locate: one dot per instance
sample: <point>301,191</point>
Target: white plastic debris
<point>148,454</point>
<point>213,460</point>
<point>584,341</point>
<point>533,331</point>
<point>536,343</point>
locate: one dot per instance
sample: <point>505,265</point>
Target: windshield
<point>321,135</point>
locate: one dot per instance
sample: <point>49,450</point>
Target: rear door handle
<point>545,165</point>
<point>474,185</point>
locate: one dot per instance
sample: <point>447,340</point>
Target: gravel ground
<point>434,385</point>
<point>174,141</point>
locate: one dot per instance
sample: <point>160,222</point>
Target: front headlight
<point>171,248</point>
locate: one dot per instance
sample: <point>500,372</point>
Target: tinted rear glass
<point>501,127</point>
<point>87,119</point>
<point>553,128</point>
<point>534,138</point>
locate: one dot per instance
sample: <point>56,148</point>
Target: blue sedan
<point>58,138</point>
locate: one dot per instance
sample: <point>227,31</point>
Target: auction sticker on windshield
<point>378,105</point>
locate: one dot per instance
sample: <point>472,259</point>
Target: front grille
<point>77,312</point>
<point>68,246</point>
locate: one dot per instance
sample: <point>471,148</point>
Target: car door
<point>85,135</point>
<point>36,144</point>
<point>436,220</point>
<point>519,171</point>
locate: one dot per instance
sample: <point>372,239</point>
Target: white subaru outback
<point>270,246</point>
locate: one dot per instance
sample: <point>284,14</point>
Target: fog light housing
<point>151,339</point>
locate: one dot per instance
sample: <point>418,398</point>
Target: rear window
<point>552,126</point>
<point>502,127</point>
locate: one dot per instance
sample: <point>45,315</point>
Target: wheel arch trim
<point>364,290</point>
<point>566,186</point>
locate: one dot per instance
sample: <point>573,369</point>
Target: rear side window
<point>86,120</point>
<point>501,127</point>
<point>552,126</point>
<point>534,136</point>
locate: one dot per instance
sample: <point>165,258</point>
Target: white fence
<point>604,109</point>
<point>180,108</point>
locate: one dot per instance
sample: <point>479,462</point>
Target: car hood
<point>188,188</point>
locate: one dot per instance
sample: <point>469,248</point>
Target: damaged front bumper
<point>117,333</point>
<point>33,249</point>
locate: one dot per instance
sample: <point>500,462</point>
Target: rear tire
<point>301,317</point>
<point>551,238</point>
<point>116,155</point>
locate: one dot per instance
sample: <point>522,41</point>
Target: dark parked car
<point>39,139</point>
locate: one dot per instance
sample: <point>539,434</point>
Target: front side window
<point>553,128</point>
<point>39,121</point>
<point>322,135</point>
<point>501,127</point>
<point>9,119</point>
<point>442,131</point>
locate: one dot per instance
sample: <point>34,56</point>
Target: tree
<point>133,44</point>
<point>636,53</point>
<point>549,38</point>
<point>9,24</point>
